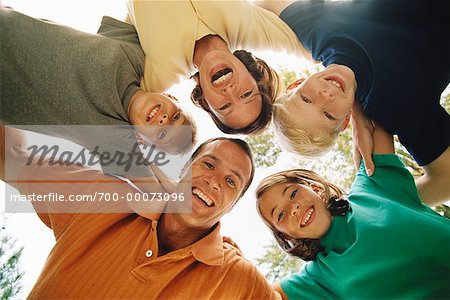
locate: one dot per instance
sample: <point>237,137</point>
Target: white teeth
<point>335,83</point>
<point>153,112</point>
<point>222,78</point>
<point>308,216</point>
<point>203,197</point>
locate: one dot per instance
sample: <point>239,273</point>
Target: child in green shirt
<point>383,243</point>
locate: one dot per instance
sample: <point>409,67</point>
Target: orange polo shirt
<point>115,256</point>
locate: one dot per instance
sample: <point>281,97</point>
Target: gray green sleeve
<point>127,37</point>
<point>118,30</point>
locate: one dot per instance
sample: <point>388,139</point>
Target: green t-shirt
<point>56,75</point>
<point>390,246</point>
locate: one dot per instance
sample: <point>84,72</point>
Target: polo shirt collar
<point>209,250</point>
<point>341,234</point>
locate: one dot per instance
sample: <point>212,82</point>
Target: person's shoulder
<point>107,20</point>
<point>249,276</point>
<point>222,6</point>
<point>235,262</point>
<point>109,24</point>
<point>234,258</point>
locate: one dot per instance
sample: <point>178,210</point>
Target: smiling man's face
<point>220,172</point>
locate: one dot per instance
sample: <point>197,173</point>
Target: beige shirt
<point>168,31</point>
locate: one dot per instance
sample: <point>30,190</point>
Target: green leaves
<point>276,264</point>
<point>10,271</point>
<point>265,151</point>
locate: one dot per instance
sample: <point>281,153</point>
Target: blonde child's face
<point>323,101</point>
<point>295,209</point>
<point>153,114</point>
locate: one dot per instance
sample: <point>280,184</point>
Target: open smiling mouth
<point>152,112</point>
<point>203,197</point>
<point>336,82</point>
<point>222,77</point>
<point>308,217</point>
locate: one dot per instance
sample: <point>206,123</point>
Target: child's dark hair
<point>269,87</point>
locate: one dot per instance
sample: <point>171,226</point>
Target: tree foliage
<point>337,167</point>
<point>264,149</point>
<point>278,263</point>
<point>10,270</point>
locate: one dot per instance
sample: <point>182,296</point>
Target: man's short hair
<point>242,144</point>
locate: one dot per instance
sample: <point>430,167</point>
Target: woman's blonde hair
<point>294,139</point>
<point>306,249</point>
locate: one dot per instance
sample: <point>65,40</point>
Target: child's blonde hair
<point>294,139</point>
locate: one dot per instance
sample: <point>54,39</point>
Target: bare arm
<point>434,185</point>
<point>168,184</point>
<point>164,185</point>
<point>275,6</point>
<point>383,141</point>
<point>362,136</point>
<point>13,150</point>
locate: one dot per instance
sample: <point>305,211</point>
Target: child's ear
<point>294,84</point>
<point>345,123</point>
<point>170,97</point>
<point>316,188</point>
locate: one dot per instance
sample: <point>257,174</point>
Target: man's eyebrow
<point>213,157</point>
<point>216,159</point>
<point>238,175</point>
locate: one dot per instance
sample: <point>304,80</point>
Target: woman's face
<point>229,89</point>
<point>296,210</point>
